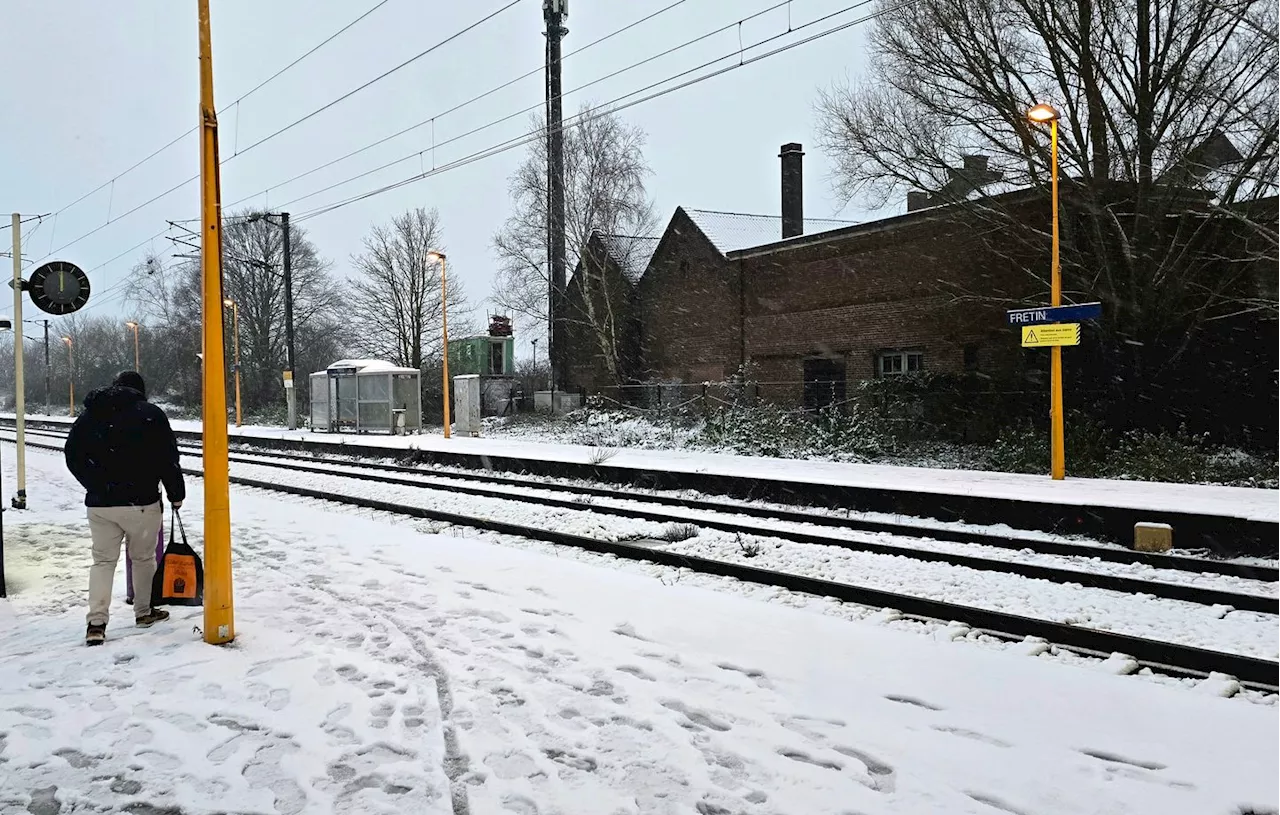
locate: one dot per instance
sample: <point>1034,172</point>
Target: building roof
<point>369,366</point>
<point>632,252</point>
<point>734,231</point>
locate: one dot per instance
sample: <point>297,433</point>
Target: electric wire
<point>459,106</point>
<point>607,108</point>
<point>243,97</point>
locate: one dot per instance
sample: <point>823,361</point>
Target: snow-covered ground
<point>381,668</point>
<point>726,510</point>
<point>1231,502</point>
<point>1212,627</point>
<point>1251,504</point>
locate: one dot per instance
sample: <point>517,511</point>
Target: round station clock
<point>59,287</point>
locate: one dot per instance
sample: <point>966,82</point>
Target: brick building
<point>602,331</point>
<point>801,300</point>
<point>813,306</point>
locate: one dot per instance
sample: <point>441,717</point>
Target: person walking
<point>121,449</point>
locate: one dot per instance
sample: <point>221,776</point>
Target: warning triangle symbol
<point>1031,336</point>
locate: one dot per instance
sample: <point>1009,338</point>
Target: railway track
<point>1159,655</point>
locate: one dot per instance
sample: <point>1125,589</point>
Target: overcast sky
<point>92,88</point>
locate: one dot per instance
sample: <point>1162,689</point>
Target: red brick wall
<point>689,308</point>
<point>894,289</point>
<point>587,366</point>
<point>913,288</point>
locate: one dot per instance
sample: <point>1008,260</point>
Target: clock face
<point>59,287</point>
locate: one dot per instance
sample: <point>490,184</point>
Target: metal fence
<point>977,413</point>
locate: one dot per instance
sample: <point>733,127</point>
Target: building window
<point>896,363</point>
<point>824,383</point>
<point>497,358</point>
<point>971,357</point>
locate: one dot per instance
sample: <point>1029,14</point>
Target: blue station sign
<point>1055,314</point>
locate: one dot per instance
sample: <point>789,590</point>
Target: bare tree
<point>1168,136</point>
<point>169,298</point>
<point>605,193</point>
<point>397,303</point>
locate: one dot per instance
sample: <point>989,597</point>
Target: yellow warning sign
<point>1043,336</point>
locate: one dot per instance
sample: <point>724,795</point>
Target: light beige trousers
<point>138,527</point>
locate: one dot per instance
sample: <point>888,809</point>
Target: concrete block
<point>565,401</point>
<point>1150,537</point>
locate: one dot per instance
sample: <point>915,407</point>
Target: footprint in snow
<point>629,630</point>
<point>911,700</point>
<point>995,803</point>
<point>882,775</point>
<point>973,735</point>
<point>694,718</point>
<point>1117,759</point>
<point>758,676</point>
<point>805,758</point>
<point>636,671</point>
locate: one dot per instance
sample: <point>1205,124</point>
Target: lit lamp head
<point>228,302</point>
<point>131,324</point>
<point>67,340</point>
<point>436,256</point>
<point>1043,114</point>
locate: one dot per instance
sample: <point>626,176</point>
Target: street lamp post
<point>444,322</point>
<point>235,333</point>
<point>1047,113</point>
<point>71,376</point>
<point>133,325</point>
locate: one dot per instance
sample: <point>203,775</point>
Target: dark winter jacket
<point>121,449</point>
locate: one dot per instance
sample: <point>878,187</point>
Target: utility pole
<point>19,384</point>
<point>291,391</point>
<point>290,360</point>
<point>554,13</point>
<point>46,364</point>
<point>219,612</point>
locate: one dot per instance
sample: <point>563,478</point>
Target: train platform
<point>384,667</point>
<point>1231,520</point>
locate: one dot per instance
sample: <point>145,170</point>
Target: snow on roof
<point>632,252</point>
<point>369,366</point>
<point>732,231</point>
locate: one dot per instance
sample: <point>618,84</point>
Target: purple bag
<point>128,564</point>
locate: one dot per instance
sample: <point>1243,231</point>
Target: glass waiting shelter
<point>366,396</point>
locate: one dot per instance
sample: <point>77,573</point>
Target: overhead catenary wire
<point>243,97</point>
<point>607,108</point>
<point>26,220</point>
<point>383,75</point>
<point>284,129</point>
<point>466,103</point>
<point>520,140</point>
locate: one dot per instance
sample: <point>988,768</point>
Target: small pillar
<point>1151,537</point>
<point>466,405</point>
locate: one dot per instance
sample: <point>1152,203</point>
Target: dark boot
<point>156,615</point>
<point>95,635</point>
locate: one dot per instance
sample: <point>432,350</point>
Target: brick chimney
<point>792,156</point>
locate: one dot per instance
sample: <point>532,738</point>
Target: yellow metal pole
<point>444,315</point>
<point>219,612</point>
<point>1059,456</point>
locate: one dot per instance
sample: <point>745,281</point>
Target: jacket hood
<point>111,400</point>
